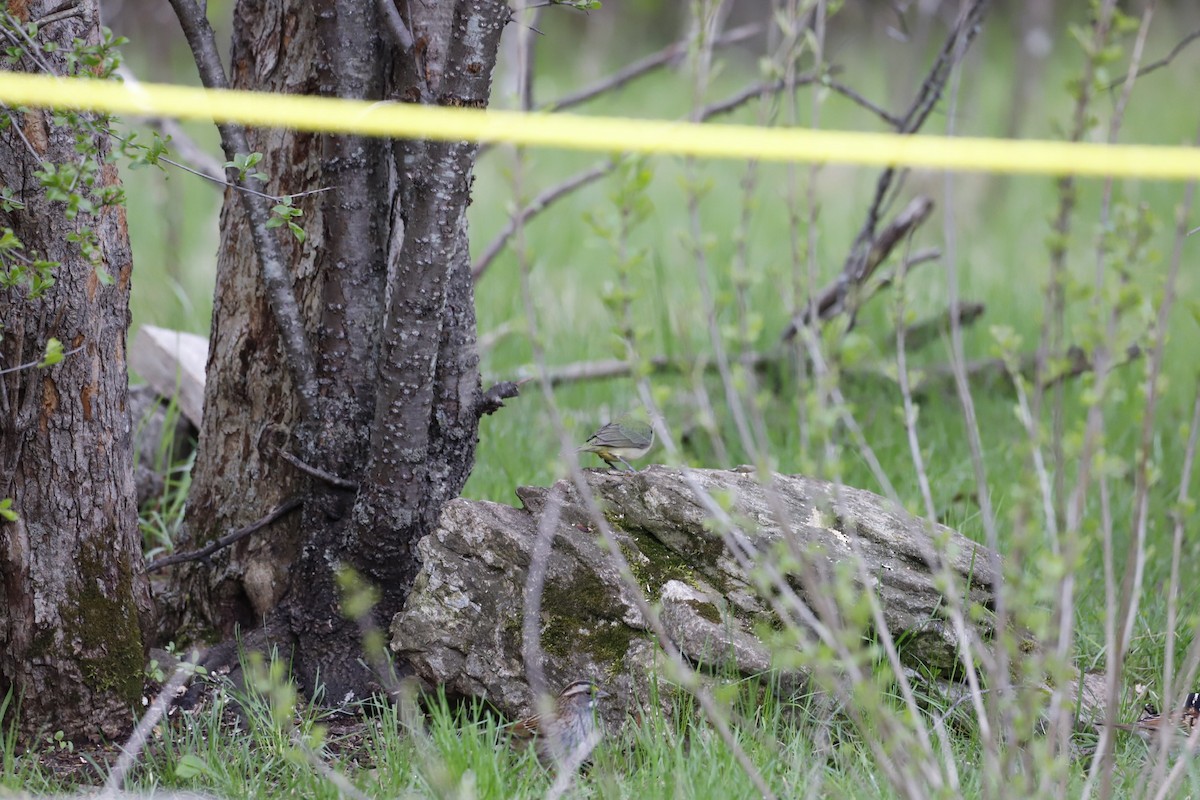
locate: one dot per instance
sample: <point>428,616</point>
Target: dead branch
<point>493,399</point>
<point>830,301</point>
<point>855,270</point>
<point>316,472</point>
<point>858,99</point>
<point>1162,62</point>
<point>1078,363</point>
<point>922,333</point>
<point>593,174</point>
<point>888,277</point>
<point>619,368</point>
<point>537,206</point>
<point>665,57</point>
<point>280,510</point>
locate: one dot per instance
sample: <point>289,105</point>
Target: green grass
<point>463,750</point>
<point>1001,231</point>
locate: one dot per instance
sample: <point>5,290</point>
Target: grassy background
<point>1001,224</point>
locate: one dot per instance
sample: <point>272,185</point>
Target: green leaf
<point>6,512</point>
<point>53,355</point>
<point>192,766</point>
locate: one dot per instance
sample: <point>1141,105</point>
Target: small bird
<point>571,732</point>
<point>620,441</point>
<point>1152,724</point>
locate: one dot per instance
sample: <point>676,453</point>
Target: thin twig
<point>206,165</point>
<point>879,111</point>
<point>593,174</point>
<point>280,510</point>
<point>535,207</point>
<point>137,741</point>
<point>926,99</point>
<point>990,729</point>
<point>1162,62</point>
<point>317,472</point>
<point>665,57</point>
<point>833,298</point>
<point>1072,506</point>
<point>32,364</point>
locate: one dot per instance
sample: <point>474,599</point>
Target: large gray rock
<point>462,625</point>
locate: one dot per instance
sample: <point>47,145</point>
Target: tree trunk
<point>383,282</point>
<point>71,574</point>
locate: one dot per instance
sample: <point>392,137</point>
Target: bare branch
<point>831,300</point>
<point>619,368</point>
<point>1162,62</point>
<point>665,57</point>
<point>857,98</point>
<point>493,399</point>
<point>537,206</point>
<point>316,472</point>
<point>280,510</point>
<point>922,333</point>
<point>277,283</point>
<point>141,734</point>
<point>395,24</point>
<point>593,174</point>
<point>32,364</point>
<point>865,243</point>
<point>1078,363</point>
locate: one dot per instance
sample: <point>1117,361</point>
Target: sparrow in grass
<point>1182,724</point>
<point>571,732</point>
<point>620,441</point>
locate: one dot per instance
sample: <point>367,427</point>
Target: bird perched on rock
<point>1183,724</point>
<point>620,441</point>
<point>571,732</point>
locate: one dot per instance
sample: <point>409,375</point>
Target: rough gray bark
<point>384,287</point>
<point>71,577</point>
<point>461,627</point>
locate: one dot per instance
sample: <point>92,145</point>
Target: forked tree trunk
<point>72,586</point>
<point>384,286</point>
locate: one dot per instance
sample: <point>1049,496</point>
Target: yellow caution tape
<point>602,134</point>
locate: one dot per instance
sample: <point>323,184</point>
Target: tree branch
<point>593,174</point>
<point>493,399</point>
<point>277,283</point>
<point>831,300</point>
<point>537,206</point>
<point>316,472</point>
<point>668,55</point>
<point>395,24</point>
<point>922,333</point>
<point>280,510</point>
<point>1162,62</point>
<point>926,99</point>
<point>857,98</point>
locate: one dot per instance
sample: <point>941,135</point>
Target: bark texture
<point>384,286</point>
<point>73,591</point>
<point>462,625</point>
